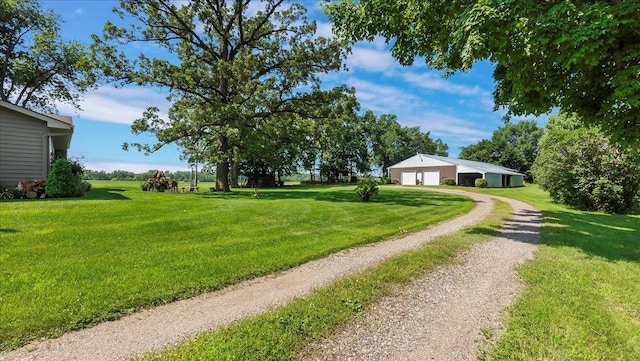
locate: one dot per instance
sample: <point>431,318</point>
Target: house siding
<point>23,151</point>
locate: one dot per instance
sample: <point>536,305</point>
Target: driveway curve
<point>448,314</point>
<point>173,323</point>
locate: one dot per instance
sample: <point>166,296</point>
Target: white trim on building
<point>425,169</point>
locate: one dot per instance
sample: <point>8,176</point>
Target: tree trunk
<point>222,176</point>
<point>222,166</point>
<point>234,173</point>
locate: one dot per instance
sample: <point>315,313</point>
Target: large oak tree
<point>581,55</point>
<point>233,68</point>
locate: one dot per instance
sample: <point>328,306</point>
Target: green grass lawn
<point>70,263</point>
<point>582,300</point>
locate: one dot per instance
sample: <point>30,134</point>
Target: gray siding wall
<point>493,180</point>
<point>516,181</point>
<point>23,146</point>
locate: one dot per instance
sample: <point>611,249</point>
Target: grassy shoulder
<point>582,296</point>
<point>283,333</point>
<point>71,263</point>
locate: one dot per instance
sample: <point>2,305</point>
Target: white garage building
<point>432,169</point>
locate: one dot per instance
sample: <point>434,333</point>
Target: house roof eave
<point>56,122</point>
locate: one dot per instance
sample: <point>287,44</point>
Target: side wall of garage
<point>493,180</point>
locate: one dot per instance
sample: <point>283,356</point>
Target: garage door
<point>408,178</point>
<point>431,177</point>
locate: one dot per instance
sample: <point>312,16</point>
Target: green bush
<point>366,188</point>
<point>481,183</point>
<point>449,181</point>
<point>61,181</point>
<point>580,167</point>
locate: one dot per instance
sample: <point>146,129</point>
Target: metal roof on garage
<point>481,167</point>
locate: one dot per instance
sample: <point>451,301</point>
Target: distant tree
<point>391,143</point>
<point>580,167</point>
<point>340,139</point>
<point>580,56</point>
<point>38,68</point>
<point>285,144</point>
<point>515,146</point>
<point>231,68</point>
<point>96,175</point>
<point>483,151</point>
<point>126,175</point>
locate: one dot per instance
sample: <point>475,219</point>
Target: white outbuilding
<point>433,169</point>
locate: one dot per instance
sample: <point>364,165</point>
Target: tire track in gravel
<point>442,315</point>
<point>176,322</point>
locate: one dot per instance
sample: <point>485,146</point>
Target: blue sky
<point>457,109</point>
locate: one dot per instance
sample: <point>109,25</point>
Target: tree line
<point>363,145</point>
<point>123,175</point>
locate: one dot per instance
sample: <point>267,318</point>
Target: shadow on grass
<point>8,230</point>
<point>105,194</point>
<point>342,194</point>
<point>613,237</point>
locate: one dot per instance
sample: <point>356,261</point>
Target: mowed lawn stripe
<point>70,263</point>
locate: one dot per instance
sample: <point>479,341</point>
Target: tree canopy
<point>235,71</point>
<point>37,67</point>
<point>581,56</point>
<point>515,146</point>
<point>391,143</point>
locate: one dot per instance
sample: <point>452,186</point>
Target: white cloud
<point>412,110</point>
<point>454,131</point>
<point>384,98</point>
<point>451,127</point>
<point>436,82</point>
<point>371,59</point>
<point>119,105</point>
<point>324,29</point>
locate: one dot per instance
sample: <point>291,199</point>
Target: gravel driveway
<point>447,314</point>
<point>435,318</point>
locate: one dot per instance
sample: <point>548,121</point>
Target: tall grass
<point>70,263</point>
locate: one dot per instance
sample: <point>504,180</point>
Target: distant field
<point>70,263</point>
